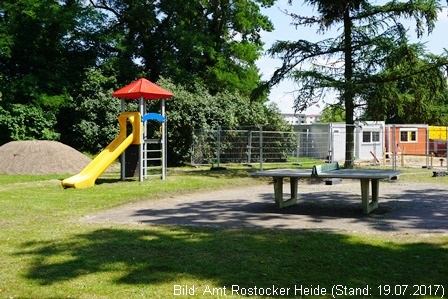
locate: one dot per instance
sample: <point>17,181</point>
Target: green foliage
<point>66,57</point>
<point>333,113</point>
<point>44,49</point>
<point>91,117</point>
<point>209,42</point>
<point>26,122</point>
<point>419,98</point>
<point>189,110</point>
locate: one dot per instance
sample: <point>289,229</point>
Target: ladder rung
<point>152,141</point>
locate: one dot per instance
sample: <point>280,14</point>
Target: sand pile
<point>40,157</point>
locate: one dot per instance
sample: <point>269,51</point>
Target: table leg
<point>375,193</point>
<point>294,182</point>
<point>278,192</point>
<point>367,204</point>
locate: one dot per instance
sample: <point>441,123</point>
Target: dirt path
<point>410,208</point>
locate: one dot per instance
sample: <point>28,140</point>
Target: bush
<point>90,121</point>
<point>26,122</point>
<point>195,109</point>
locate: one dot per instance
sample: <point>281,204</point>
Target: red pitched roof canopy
<point>142,88</point>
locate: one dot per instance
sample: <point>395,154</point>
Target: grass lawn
<point>46,252</point>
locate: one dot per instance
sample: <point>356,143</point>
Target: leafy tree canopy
<point>333,113</point>
<point>419,98</point>
<point>61,60</point>
<point>215,42</point>
<point>45,47</point>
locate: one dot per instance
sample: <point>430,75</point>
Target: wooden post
<point>432,160</point>
<point>402,156</point>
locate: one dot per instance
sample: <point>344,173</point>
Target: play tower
<point>143,91</point>
<point>134,145</point>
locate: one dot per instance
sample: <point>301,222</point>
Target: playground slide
<point>87,177</point>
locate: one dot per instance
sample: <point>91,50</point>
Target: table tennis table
<point>367,177</point>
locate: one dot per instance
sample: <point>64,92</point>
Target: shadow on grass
<point>223,174</point>
<point>247,258</point>
<point>104,180</point>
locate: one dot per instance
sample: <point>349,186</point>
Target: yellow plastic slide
<point>87,177</point>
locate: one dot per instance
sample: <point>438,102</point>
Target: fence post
<point>261,147</point>
<point>432,160</point>
<point>394,152</point>
<point>298,147</point>
<point>427,148</point>
<point>249,147</point>
<point>218,145</point>
<point>330,143</point>
<point>193,146</point>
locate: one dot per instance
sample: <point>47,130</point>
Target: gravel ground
<point>404,208</point>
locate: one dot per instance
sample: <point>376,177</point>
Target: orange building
<point>406,139</point>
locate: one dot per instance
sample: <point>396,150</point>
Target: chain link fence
<point>245,146</point>
<point>374,143</point>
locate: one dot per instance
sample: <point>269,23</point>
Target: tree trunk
<point>348,93</point>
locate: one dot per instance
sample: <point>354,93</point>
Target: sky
<point>281,94</point>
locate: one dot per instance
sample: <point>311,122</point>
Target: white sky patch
<point>443,15</point>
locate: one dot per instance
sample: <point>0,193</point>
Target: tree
<point>419,98</point>
<point>333,113</point>
<point>355,58</point>
<point>45,48</point>
<point>26,122</point>
<point>214,42</point>
<point>188,111</point>
<point>89,121</point>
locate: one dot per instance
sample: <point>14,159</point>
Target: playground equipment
<point>142,90</point>
<point>88,176</point>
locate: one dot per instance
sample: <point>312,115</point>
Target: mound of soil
<point>40,157</point>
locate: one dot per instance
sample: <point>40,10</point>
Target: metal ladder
<point>147,154</point>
